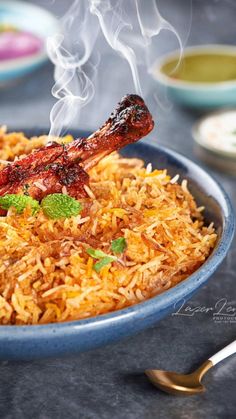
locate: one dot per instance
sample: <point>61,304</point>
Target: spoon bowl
<point>174,383</point>
<point>187,384</point>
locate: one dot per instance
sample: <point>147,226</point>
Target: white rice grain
<point>174,179</point>
<point>40,186</point>
<point>83,220</point>
<point>64,190</point>
<point>149,168</point>
<point>89,192</point>
<point>184,186</point>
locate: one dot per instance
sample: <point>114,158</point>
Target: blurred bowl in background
<point>205,77</point>
<point>215,140</point>
<point>27,20</point>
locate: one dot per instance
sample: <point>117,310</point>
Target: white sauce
<point>218,131</point>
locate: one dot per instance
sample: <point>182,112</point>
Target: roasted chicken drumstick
<point>53,166</point>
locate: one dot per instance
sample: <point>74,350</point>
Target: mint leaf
<point>59,205</point>
<point>104,258</point>
<point>99,254</point>
<point>103,262</point>
<point>19,202</point>
<point>119,245</point>
<point>96,253</point>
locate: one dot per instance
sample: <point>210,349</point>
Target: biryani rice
<point>46,275</point>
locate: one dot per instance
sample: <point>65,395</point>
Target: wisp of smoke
<point>128,27</point>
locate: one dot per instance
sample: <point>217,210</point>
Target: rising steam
<point>128,27</point>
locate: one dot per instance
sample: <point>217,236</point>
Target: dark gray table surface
<point>109,382</point>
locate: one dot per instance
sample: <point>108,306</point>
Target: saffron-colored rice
<point>46,274</point>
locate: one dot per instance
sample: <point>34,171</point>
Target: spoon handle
<point>224,353</point>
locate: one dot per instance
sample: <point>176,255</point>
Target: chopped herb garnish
<point>59,205</point>
<point>103,262</point>
<point>19,202</point>
<point>119,245</point>
<point>96,253</point>
<point>104,258</point>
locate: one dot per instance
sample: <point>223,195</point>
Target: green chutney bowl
<point>203,77</point>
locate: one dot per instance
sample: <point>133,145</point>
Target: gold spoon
<point>187,384</point>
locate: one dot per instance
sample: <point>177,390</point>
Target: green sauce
<point>207,67</point>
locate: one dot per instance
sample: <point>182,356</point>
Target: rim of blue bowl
<point>187,85</point>
<point>160,301</point>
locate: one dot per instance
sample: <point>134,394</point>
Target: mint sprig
<point>54,206</point>
<point>19,202</point>
<point>59,205</point>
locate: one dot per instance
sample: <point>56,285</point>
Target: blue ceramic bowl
<point>25,342</point>
<point>196,94</point>
<point>31,18</point>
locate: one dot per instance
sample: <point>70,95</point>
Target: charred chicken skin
<point>54,166</point>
